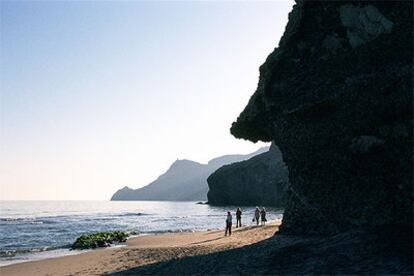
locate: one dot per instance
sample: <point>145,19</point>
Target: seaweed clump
<point>101,239</point>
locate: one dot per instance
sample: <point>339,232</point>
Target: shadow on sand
<point>345,253</point>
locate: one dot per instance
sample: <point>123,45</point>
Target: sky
<point>96,96</point>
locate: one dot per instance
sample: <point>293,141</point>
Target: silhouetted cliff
<point>260,180</point>
<point>185,180</point>
<point>336,97</point>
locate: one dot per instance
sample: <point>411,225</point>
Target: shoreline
<point>143,250</point>
<point>67,251</point>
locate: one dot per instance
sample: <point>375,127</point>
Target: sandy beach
<point>144,250</point>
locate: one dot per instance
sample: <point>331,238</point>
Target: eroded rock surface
<point>336,96</point>
<point>363,24</point>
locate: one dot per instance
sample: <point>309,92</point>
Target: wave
<point>17,219</point>
<point>133,214</point>
<point>170,231</point>
<point>97,216</point>
<point>27,220</point>
<point>5,253</point>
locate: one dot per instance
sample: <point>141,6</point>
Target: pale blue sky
<point>99,95</point>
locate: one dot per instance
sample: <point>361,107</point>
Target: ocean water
<point>32,230</point>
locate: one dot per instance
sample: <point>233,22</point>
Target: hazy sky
<point>99,95</point>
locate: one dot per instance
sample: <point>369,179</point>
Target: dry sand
<point>143,250</point>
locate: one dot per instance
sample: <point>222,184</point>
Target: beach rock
<point>336,97</point>
<point>261,180</point>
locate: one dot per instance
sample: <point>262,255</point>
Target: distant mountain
<point>260,180</point>
<point>184,180</point>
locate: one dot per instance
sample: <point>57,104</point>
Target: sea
<point>35,230</point>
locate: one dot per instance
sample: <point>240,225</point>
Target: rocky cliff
<point>260,180</point>
<point>185,180</point>
<point>336,97</point>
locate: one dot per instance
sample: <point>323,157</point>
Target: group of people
<point>259,215</point>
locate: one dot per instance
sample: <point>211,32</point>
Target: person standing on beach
<point>263,216</point>
<point>257,215</point>
<point>228,223</point>
<point>238,217</point>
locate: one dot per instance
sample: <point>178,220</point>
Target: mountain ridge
<point>184,180</point>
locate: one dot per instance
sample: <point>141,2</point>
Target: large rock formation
<point>336,97</point>
<point>261,180</point>
<point>185,180</point>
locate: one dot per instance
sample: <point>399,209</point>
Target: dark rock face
<point>261,180</point>
<point>336,97</point>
